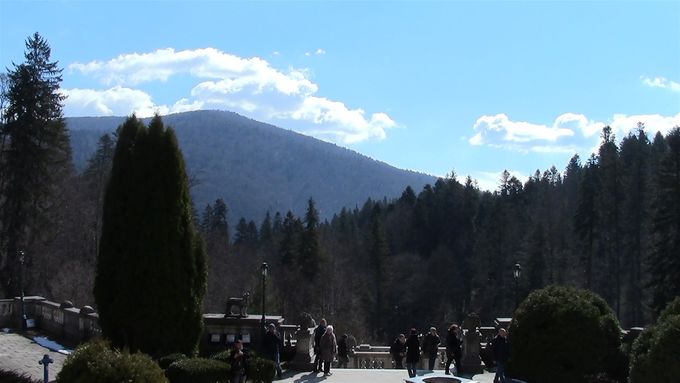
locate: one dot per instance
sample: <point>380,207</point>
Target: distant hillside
<point>256,167</point>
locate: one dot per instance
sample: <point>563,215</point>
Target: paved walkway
<point>18,353</point>
<point>21,354</point>
<point>361,376</point>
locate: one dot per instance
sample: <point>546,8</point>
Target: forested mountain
<point>256,167</point>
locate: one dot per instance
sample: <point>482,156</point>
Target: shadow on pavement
<point>311,378</point>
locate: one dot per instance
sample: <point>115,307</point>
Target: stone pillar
<point>471,363</point>
<point>304,350</point>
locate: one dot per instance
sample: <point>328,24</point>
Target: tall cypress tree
<point>151,268</point>
<point>35,155</point>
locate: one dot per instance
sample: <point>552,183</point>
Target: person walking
<point>329,348</point>
<point>238,358</point>
<point>343,352</point>
<point>431,347</point>
<point>453,348</point>
<point>501,354</point>
<point>318,333</point>
<point>271,346</point>
<point>412,353</point>
<point>398,351</point>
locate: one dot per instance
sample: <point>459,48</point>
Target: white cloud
<point>569,132</point>
<point>320,52</point>
<point>223,81</point>
<point>621,124</point>
<point>661,82</point>
<point>498,129</point>
<point>119,101</point>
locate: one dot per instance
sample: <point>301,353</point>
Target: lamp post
<point>516,274</point>
<point>21,289</point>
<point>263,270</point>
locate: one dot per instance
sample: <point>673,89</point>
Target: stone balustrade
<point>60,320</point>
<point>378,357</point>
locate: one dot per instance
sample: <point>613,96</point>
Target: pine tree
<point>609,205</point>
<point>151,268</point>
<point>310,250</point>
<point>35,157</point>
<point>586,219</point>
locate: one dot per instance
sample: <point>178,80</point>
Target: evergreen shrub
<point>655,356</point>
<point>166,361</point>
<point>564,335</point>
<point>198,370</point>
<point>96,362</point>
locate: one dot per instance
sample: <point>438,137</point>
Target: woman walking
<point>329,348</point>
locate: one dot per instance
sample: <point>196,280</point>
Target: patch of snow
<point>51,345</point>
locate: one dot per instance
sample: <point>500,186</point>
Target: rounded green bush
<point>96,362</point>
<point>656,352</point>
<point>198,370</point>
<point>564,335</point>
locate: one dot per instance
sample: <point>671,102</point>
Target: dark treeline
<point>611,224</point>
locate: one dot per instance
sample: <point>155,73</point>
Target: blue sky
<point>431,86</point>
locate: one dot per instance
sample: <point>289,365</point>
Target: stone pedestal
<point>472,363</point>
<point>304,350</point>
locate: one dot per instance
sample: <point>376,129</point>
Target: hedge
<point>95,361</point>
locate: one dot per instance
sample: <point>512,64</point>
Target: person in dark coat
<point>501,354</point>
<point>238,357</point>
<point>398,351</point>
<point>271,347</point>
<point>412,353</point>
<point>329,348</point>
<point>431,347</point>
<point>453,348</point>
<point>318,333</point>
<point>343,351</point>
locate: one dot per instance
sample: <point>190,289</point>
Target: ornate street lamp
<point>516,274</point>
<point>263,270</point>
<point>21,289</point>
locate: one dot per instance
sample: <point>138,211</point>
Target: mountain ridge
<point>258,167</point>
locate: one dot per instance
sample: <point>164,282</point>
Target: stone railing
<point>378,357</point>
<point>60,320</point>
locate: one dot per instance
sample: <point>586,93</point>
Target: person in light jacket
<point>329,348</point>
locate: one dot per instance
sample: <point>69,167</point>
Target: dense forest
<point>610,223</point>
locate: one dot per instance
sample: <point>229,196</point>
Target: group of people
<point>411,349</point>
<point>326,348</point>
